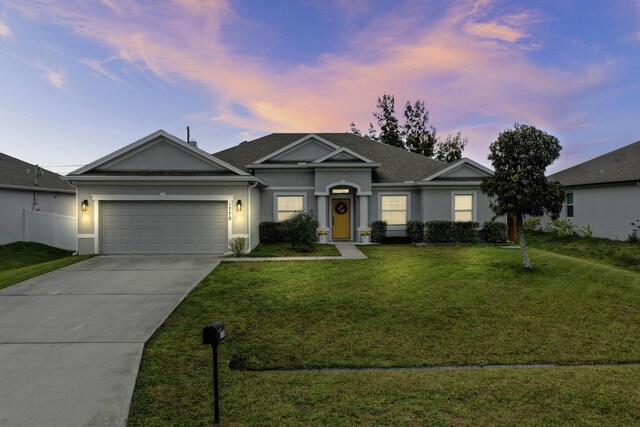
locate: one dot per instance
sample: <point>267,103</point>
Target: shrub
<point>272,232</point>
<point>440,232</point>
<point>493,232</point>
<point>560,227</point>
<point>236,245</point>
<point>465,232</point>
<point>532,224</point>
<point>633,237</point>
<point>586,231</point>
<point>378,231</point>
<point>301,231</point>
<point>415,231</point>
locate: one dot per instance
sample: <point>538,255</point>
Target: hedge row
<point>299,230</point>
<point>443,232</point>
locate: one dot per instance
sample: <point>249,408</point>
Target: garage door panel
<point>164,227</point>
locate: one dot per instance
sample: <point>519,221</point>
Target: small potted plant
<point>365,236</point>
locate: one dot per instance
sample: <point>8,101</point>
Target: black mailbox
<point>213,334</point>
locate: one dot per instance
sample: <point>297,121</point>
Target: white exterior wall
<point>14,202</point>
<point>609,210</point>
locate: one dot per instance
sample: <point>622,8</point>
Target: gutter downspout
<point>249,212</point>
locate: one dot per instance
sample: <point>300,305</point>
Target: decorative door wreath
<point>341,208</point>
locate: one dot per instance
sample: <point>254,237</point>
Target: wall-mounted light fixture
<point>239,206</point>
<point>85,205</point>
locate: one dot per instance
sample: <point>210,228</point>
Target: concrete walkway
<point>348,250</point>
<point>71,340</point>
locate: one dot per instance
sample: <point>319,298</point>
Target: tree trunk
<point>523,246</point>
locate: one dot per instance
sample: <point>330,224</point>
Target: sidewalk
<point>348,250</point>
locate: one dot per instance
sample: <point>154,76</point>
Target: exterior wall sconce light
<point>239,206</point>
<point>84,206</point>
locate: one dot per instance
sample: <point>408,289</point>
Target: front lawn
<point>404,306</point>
<point>613,252</point>
<point>285,250</point>
<point>20,261</point>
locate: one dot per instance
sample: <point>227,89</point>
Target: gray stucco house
<point>33,203</point>
<point>604,192</point>
<point>164,195</point>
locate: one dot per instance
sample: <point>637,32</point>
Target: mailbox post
<point>212,335</point>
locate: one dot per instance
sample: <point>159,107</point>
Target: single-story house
<point>164,195</point>
<point>35,205</point>
<point>604,193</point>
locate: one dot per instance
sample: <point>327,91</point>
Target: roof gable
<point>306,149</point>
<point>159,151</point>
<point>463,169</point>
<point>396,165</point>
<point>343,155</point>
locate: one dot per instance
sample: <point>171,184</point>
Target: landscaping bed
<point>404,306</point>
<point>285,250</point>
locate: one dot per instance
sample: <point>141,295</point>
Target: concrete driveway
<point>71,340</point>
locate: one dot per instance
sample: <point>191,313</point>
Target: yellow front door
<point>340,214</point>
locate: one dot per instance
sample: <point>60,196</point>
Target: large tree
<point>387,121</point>
<point>419,137</point>
<point>415,135</point>
<point>451,148</point>
<point>520,157</point>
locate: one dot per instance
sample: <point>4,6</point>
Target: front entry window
<point>288,206</point>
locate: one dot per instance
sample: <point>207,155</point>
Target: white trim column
<point>323,229</point>
<point>363,223</point>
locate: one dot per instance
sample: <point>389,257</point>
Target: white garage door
<point>163,227</point>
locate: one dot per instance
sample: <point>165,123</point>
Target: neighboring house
<point>35,205</point>
<point>164,195</point>
<point>604,193</point>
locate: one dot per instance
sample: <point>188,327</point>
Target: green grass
<point>20,261</point>
<point>612,252</point>
<point>404,306</point>
<point>285,250</point>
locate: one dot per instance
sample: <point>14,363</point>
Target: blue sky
<point>82,79</point>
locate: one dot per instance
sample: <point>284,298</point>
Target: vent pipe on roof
<point>189,141</point>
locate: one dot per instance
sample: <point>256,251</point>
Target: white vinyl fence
<point>50,228</point>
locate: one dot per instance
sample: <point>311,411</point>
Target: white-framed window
<point>463,206</point>
<point>394,208</point>
<point>287,205</point>
<point>569,205</point>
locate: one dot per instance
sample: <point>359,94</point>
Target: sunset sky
<point>80,79</point>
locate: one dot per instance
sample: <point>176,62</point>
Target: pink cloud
<point>55,77</point>
<point>461,74</point>
<point>494,30</point>
<point>5,31</point>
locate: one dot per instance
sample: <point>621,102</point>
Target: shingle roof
<point>397,165</point>
<point>619,165</point>
<point>15,172</point>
